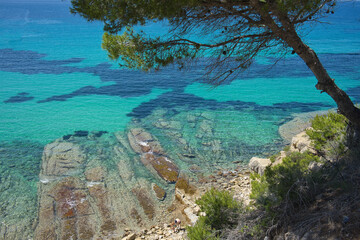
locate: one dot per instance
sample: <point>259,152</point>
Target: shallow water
<point>55,79</point>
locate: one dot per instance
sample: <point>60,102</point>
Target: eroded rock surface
<point>301,143</point>
<point>94,189</point>
<point>152,154</point>
<point>258,165</point>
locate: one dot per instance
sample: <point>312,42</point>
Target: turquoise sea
<point>55,79</point>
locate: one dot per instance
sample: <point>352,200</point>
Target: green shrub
<point>290,180</point>
<point>328,133</point>
<point>201,231</point>
<point>220,208</point>
<point>259,189</point>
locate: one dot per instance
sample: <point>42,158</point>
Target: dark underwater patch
<point>29,62</point>
<point>81,133</point>
<point>171,100</point>
<point>19,98</point>
<point>130,83</point>
<point>99,133</point>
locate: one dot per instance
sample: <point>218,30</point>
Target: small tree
<point>235,32</point>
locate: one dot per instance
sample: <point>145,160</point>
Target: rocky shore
<point>121,187</point>
<point>236,181</point>
<point>133,184</point>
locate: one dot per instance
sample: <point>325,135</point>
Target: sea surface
<point>55,79</point>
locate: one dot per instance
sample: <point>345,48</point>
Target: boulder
<point>258,165</point>
<point>301,143</point>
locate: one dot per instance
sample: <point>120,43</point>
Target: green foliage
<point>259,189</point>
<point>290,180</point>
<point>201,231</point>
<point>197,29</point>
<point>328,133</point>
<point>117,14</point>
<point>140,52</point>
<point>221,211</point>
<point>285,180</point>
<point>220,207</point>
<point>273,157</point>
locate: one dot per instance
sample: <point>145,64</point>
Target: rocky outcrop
<point>258,165</point>
<point>95,189</point>
<point>301,143</point>
<point>152,155</point>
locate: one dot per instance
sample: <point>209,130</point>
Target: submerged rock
<point>61,158</point>
<point>152,155</point>
<point>89,189</point>
<point>145,201</point>
<point>81,133</point>
<point>160,193</point>
<point>299,123</point>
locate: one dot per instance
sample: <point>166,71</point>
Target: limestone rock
<point>279,159</point>
<point>145,201</point>
<point>65,211</point>
<point>258,165</point>
<point>131,236</point>
<point>315,166</point>
<point>205,129</point>
<point>61,158</point>
<point>301,143</point>
<point>191,215</point>
<point>299,123</point>
<point>88,190</point>
<point>191,118</point>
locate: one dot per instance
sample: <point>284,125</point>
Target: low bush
<point>328,134</point>
<point>220,207</point>
<point>201,231</point>
<point>221,212</point>
<point>291,181</point>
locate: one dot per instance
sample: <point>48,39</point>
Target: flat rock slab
<point>61,158</point>
<point>81,196</point>
<point>152,154</point>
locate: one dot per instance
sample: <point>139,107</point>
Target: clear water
<point>55,79</point>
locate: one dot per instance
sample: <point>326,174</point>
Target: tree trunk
<point>286,32</point>
<point>325,83</point>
